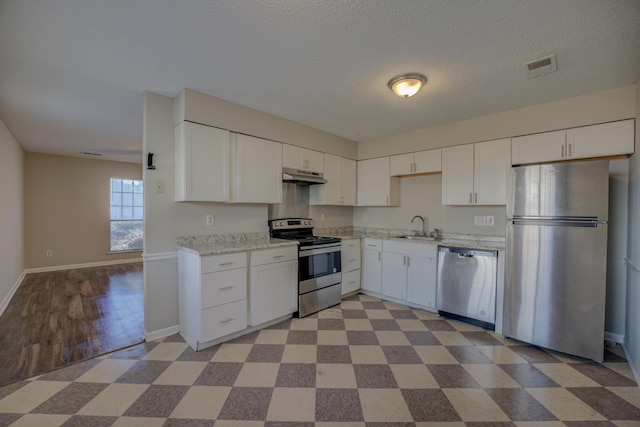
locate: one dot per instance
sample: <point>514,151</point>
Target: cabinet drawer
<point>372,244</point>
<point>426,250</point>
<point>223,320</point>
<point>213,263</point>
<point>350,281</point>
<point>223,287</point>
<point>268,256</point>
<point>350,255</point>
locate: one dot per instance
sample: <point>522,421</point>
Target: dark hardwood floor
<point>61,317</point>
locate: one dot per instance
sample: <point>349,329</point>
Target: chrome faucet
<point>436,234</point>
<point>424,231</point>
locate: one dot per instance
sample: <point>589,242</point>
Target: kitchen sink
<point>416,238</point>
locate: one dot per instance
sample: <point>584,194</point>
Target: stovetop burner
<point>300,229</point>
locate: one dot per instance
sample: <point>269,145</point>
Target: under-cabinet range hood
<point>302,177</point>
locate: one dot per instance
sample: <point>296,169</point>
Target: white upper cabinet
<point>256,170</point>
<point>201,163</point>
<point>604,140</point>
<point>375,186</point>
<point>608,139</point>
<point>415,163</point>
<point>340,188</point>
<point>476,174</point>
<point>301,158</point>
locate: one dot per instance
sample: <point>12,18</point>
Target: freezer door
<point>555,285</point>
<point>576,189</point>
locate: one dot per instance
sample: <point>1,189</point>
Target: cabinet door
<point>257,170</point>
<point>428,161</point>
<point>332,174</point>
<point>201,163</point>
<point>538,148</point>
<point>375,186</point>
<point>401,164</point>
<point>274,291</point>
<point>421,281</point>
<point>348,181</point>
<point>313,160</point>
<point>457,175</point>
<point>372,270</point>
<point>608,139</point>
<point>492,160</point>
<point>292,157</point>
<point>394,275</point>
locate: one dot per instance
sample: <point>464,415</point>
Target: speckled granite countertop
<point>470,241</point>
<point>216,244</point>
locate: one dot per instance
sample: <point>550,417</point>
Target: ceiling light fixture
<point>406,85</point>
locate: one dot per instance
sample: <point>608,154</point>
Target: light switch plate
<point>479,221</point>
<point>490,221</point>
<point>210,220</point>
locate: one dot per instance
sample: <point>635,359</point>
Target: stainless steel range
<point>319,265</point>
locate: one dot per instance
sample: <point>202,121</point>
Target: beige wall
<point>200,108</point>
<point>11,214</point>
<point>67,209</point>
<point>599,107</point>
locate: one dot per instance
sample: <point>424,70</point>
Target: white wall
<point>632,335</point>
<point>11,215</point>
<point>165,220</point>
<point>422,195</point>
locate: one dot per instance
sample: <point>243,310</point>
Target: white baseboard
<point>12,292</point>
<point>85,265</point>
<point>159,256</point>
<point>632,364</point>
<point>614,338</point>
<point>161,333</point>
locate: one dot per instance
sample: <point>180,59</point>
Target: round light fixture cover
<point>406,85</point>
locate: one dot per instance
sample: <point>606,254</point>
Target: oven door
<point>319,267</point>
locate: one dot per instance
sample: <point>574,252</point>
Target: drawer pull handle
<point>278,256</point>
<point>373,246</point>
<point>227,320</point>
<point>227,287</point>
<point>226,263</point>
<point>353,281</point>
<point>352,260</point>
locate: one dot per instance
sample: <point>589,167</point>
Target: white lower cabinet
<point>212,296</point>
<point>372,265</point>
<point>274,284</point>
<point>409,272</point>
<point>351,263</point>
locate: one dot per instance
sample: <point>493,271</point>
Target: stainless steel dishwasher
<point>467,285</point>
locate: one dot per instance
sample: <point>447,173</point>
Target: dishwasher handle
<point>468,253</point>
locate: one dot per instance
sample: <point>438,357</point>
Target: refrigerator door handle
<point>559,222</point>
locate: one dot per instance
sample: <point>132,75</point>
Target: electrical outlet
<point>322,217</point>
<point>479,221</point>
<point>210,220</point>
<point>490,221</point>
<point>49,252</point>
<point>364,217</point>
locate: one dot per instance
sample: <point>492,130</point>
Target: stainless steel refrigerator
<point>556,256</point>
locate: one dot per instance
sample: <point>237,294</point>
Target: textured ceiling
<point>73,73</point>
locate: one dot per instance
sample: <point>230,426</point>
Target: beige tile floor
<point>364,363</point>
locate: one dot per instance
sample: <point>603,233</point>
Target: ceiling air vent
<point>541,66</point>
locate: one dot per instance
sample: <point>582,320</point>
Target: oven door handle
<point>320,249</point>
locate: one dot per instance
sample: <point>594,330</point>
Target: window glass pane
<point>137,186</point>
<point>137,199</point>
<point>127,186</point>
<point>116,199</point>
<point>126,235</point>
<point>127,199</point>
<point>116,212</point>
<point>127,212</point>
<point>137,213</point>
<point>116,184</point>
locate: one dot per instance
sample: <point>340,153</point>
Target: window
<point>126,215</point>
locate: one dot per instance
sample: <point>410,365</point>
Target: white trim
<point>632,264</point>
<point>158,256</point>
<point>85,265</point>
<point>12,292</point>
<point>161,333</point>
<point>614,338</point>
